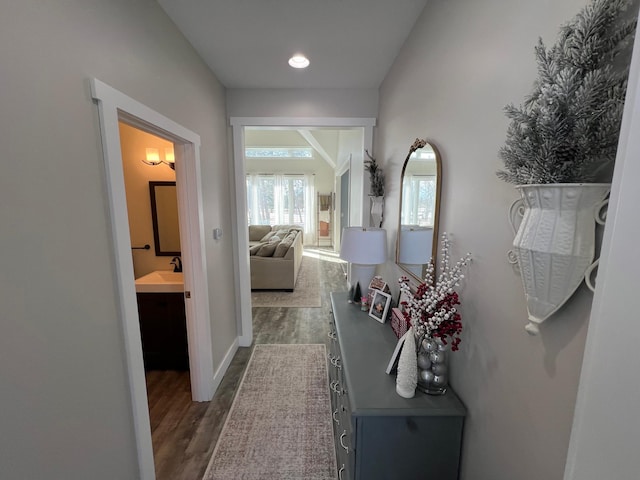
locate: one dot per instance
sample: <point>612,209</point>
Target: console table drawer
<point>377,433</point>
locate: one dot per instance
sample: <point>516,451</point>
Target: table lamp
<point>364,248</point>
<point>416,244</point>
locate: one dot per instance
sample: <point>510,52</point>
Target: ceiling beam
<point>308,136</point>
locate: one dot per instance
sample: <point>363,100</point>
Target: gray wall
<point>463,62</point>
<point>311,102</point>
<point>65,404</point>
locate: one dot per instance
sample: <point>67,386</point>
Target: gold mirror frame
<point>418,271</point>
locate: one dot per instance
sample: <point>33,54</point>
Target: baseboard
<point>226,361</point>
<point>245,340</point>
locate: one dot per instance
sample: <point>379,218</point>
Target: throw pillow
<point>283,248</point>
<point>267,236</point>
<point>274,239</point>
<point>255,248</point>
<point>267,250</point>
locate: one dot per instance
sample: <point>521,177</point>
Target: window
<point>418,200</point>
<point>284,152</point>
<point>278,200</point>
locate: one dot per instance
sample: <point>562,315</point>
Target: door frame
<point>240,231</point>
<point>114,106</point>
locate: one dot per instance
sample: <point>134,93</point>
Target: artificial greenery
<point>376,176</point>
<point>567,129</point>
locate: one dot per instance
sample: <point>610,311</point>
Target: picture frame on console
<point>377,283</point>
<point>380,306</point>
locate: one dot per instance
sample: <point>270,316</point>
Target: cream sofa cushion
<point>257,232</point>
<point>284,245</point>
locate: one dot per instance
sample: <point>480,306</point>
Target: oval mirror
<point>417,241</point>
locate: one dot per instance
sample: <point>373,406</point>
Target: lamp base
<point>362,274</point>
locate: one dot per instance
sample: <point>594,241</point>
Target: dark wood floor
<point>184,433</point>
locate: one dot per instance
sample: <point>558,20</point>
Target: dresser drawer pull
<point>334,387</point>
<point>336,362</point>
<point>334,417</point>
<point>332,335</point>
<point>341,472</point>
<point>344,434</point>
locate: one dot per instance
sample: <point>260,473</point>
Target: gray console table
<point>377,433</point>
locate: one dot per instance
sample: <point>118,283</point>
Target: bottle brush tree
<point>567,129</point>
<point>407,378</point>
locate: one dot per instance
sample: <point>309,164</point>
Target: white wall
<point>606,428</point>
<point>65,404</point>
<point>463,62</point>
<point>351,156</point>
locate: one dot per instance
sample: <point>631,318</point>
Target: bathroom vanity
<point>163,325</point>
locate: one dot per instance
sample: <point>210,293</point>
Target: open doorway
<point>115,107</point>
<point>241,125</point>
<point>154,228</point>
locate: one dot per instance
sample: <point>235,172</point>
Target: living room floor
<point>184,432</point>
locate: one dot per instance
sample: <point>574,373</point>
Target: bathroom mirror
<point>164,216</point>
<point>417,240</point>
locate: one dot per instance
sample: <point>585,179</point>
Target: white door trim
<point>113,106</point>
<point>241,234</point>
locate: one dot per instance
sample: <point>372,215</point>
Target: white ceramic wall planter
<point>555,242</point>
<point>377,208</point>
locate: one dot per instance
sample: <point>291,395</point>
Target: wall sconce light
<point>153,157</point>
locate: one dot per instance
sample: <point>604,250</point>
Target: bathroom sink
<point>160,281</point>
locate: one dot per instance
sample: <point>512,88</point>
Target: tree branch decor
<point>432,309</point>
<point>376,176</point>
<point>567,129</point>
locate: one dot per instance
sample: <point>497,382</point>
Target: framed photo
<point>380,306</point>
<point>393,363</point>
<point>377,283</point>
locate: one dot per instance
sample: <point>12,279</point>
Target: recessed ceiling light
<point>299,61</point>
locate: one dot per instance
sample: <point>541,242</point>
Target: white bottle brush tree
<point>567,129</point>
<point>407,378</point>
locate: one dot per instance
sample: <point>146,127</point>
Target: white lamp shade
<point>416,245</point>
<point>364,246</point>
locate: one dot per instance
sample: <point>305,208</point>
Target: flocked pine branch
<point>567,129</point>
<point>376,176</point>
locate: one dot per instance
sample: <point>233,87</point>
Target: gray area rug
<point>279,426</point>
<point>306,293</point>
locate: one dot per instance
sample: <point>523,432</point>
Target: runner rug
<point>305,294</point>
<point>279,426</point>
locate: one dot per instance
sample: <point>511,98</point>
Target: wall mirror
<point>417,240</point>
<point>164,216</point>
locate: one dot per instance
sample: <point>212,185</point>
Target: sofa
<point>275,255</point>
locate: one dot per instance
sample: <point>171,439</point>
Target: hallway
<point>184,432</point>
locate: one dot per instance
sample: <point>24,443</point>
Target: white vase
<point>377,207</point>
<point>555,243</point>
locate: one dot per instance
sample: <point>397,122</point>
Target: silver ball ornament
<point>439,368</point>
<point>439,380</point>
<point>426,376</point>
<point>423,361</point>
<point>437,357</point>
<point>429,345</point>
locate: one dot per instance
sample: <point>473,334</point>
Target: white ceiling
<point>247,43</point>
